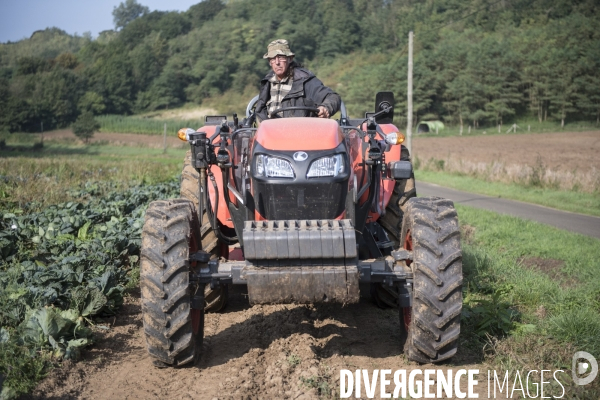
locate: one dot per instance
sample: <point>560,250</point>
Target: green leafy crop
<point>60,268</point>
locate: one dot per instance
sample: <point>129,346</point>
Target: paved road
<point>579,223</point>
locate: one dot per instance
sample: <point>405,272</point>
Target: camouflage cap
<point>278,47</point>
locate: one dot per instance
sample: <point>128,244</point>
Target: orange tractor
<point>300,210</point>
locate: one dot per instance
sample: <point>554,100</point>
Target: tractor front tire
<point>174,331</point>
<point>216,299</point>
<point>430,229</point>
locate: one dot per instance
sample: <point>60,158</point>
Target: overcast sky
<point>20,18</point>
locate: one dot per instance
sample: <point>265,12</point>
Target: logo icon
<point>300,156</point>
<point>580,368</point>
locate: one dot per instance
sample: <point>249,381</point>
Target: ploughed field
<point>566,151</point>
<point>565,161</point>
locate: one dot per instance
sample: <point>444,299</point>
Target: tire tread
<point>164,281</point>
<point>437,272</point>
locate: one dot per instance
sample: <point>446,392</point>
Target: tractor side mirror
<point>384,100</point>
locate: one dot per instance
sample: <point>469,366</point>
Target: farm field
<point>558,170</point>
<point>529,303</point>
<point>575,152</point>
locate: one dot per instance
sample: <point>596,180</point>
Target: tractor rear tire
<point>174,331</point>
<point>391,222</point>
<point>216,299</point>
<point>430,229</point>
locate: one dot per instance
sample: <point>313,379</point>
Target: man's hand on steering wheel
<point>323,112</point>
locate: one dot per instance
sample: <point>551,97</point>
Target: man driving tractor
<point>290,85</point>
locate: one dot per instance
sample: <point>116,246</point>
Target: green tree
<point>85,126</point>
<point>564,67</point>
<point>91,101</point>
<point>456,92</point>
<point>148,60</point>
<point>173,24</point>
<point>110,75</point>
<point>204,11</point>
<point>32,65</point>
<point>66,60</point>
<point>127,11</point>
<point>588,96</point>
<point>496,65</point>
<point>54,98</point>
<point>457,97</point>
<point>340,29</point>
<point>15,111</point>
<point>138,30</point>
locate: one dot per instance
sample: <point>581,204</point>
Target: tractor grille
<point>309,201</point>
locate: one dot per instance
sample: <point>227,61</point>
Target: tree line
<point>476,62</point>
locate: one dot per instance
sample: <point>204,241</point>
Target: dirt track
<point>266,352</point>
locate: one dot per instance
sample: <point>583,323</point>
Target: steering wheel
<point>314,110</point>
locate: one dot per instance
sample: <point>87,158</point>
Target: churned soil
<point>250,352</point>
<point>565,151</point>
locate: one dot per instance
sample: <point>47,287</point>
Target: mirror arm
<point>384,111</point>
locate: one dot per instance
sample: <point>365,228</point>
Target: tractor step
<point>335,284</point>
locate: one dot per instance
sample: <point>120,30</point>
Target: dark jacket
<point>307,91</point>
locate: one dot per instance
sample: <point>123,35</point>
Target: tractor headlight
<point>326,166</point>
<point>273,167</point>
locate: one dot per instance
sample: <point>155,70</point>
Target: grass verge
<point>532,295</point>
<point>573,201</point>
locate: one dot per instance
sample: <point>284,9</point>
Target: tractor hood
<point>299,134</point>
